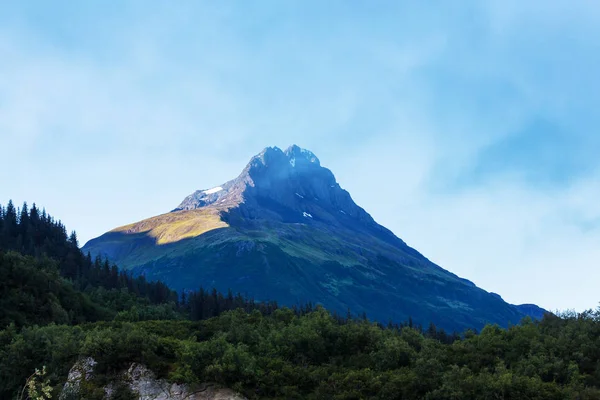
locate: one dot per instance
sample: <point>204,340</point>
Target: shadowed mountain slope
<point>285,230</point>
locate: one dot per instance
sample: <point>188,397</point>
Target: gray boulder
<point>144,384</point>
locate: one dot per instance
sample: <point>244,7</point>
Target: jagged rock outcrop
<point>293,178</point>
<point>144,384</point>
<point>83,370</point>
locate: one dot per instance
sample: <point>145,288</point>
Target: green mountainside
<point>285,230</point>
<point>58,307</point>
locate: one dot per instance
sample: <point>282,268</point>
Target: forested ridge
<point>58,304</point>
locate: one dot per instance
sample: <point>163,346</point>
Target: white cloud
<point>399,104</point>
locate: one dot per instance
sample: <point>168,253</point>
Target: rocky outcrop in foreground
<point>144,384</point>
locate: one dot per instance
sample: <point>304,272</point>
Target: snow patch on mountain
<point>213,190</point>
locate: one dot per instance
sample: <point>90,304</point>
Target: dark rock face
<point>294,235</point>
<point>292,178</point>
<point>287,186</point>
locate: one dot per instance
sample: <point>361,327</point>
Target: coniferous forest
<point>58,305</point>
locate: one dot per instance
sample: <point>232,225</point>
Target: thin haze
<point>468,128</point>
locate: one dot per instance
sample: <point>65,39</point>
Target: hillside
<point>209,342</point>
<point>285,230</point>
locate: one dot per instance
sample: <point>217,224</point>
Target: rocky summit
<point>285,230</point>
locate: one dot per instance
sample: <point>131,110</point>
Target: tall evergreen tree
<point>24,228</point>
<point>73,240</point>
<point>1,221</point>
<point>10,228</point>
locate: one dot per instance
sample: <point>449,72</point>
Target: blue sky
<point>468,128</point>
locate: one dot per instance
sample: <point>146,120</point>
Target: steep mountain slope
<point>284,229</point>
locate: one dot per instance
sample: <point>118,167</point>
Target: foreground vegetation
<point>315,357</point>
<point>57,305</point>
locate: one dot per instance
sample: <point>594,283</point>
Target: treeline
<point>286,356</point>
<point>44,277</point>
<point>36,252</point>
<point>57,305</point>
<point>35,233</point>
<point>47,278</point>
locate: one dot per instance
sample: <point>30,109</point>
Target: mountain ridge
<point>284,229</point>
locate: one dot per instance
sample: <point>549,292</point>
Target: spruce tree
<point>73,240</point>
<point>11,226</point>
<point>1,224</point>
<point>24,230</point>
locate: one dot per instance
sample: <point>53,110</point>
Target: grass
<point>175,234</point>
<point>176,226</point>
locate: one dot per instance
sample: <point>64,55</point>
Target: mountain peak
<point>294,155</point>
<point>288,185</point>
<point>297,154</point>
<point>268,152</point>
<point>285,228</point>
